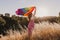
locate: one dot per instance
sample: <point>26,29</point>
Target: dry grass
<point>42,31</point>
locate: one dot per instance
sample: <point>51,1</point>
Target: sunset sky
<point>44,7</point>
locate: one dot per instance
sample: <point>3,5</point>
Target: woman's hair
<point>30,16</point>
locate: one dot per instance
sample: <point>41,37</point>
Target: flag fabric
<point>25,11</point>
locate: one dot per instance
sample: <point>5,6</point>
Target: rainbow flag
<point>25,11</point>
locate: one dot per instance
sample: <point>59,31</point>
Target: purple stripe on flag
<point>19,12</point>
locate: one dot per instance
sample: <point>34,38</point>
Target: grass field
<point>41,31</point>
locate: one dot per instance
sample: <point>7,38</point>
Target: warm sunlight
<point>42,11</point>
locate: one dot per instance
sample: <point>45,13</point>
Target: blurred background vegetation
<point>15,22</point>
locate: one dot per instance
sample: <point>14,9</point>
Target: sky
<point>44,7</point>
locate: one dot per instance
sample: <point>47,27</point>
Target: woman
<point>30,25</point>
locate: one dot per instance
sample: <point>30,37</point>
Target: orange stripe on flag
<point>29,12</point>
